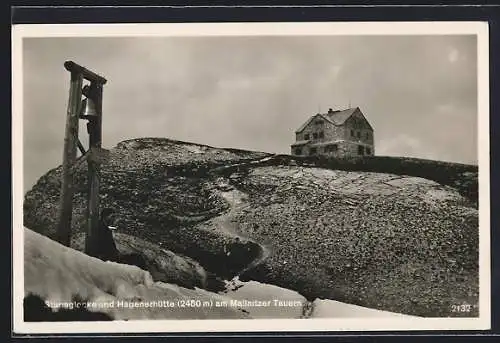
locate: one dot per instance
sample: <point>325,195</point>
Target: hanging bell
<point>88,109</point>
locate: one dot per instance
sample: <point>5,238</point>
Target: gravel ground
<point>377,240</point>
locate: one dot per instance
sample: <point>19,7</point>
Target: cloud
<point>453,55</point>
<point>445,108</point>
<point>404,145</point>
<point>400,145</point>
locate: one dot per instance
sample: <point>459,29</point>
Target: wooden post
<point>71,142</point>
<point>63,233</point>
<point>95,143</point>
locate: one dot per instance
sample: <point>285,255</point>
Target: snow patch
<point>59,274</point>
<point>234,197</point>
<point>440,195</point>
<point>411,181</point>
<point>336,309</point>
<point>352,182</point>
<point>195,149</point>
<point>252,291</point>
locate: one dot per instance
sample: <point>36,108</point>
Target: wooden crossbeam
<point>95,156</point>
<point>80,147</point>
<point>81,160</point>
<point>87,74</point>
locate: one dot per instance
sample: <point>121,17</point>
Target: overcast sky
<point>418,92</point>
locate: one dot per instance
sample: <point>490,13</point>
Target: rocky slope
<point>62,284</point>
<point>388,233</point>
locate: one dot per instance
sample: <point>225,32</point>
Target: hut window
<point>331,148</point>
<point>360,150</point>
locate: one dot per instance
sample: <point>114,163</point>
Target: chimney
<point>330,111</point>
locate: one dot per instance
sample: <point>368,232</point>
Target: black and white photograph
<point>211,177</point>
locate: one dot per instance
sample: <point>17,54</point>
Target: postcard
<point>251,177</point>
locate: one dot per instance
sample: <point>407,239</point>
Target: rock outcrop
<point>162,264</point>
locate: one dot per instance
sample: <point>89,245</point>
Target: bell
<point>88,109</point>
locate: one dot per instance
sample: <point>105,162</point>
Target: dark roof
<point>335,117</point>
<point>339,117</point>
<point>303,126</point>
